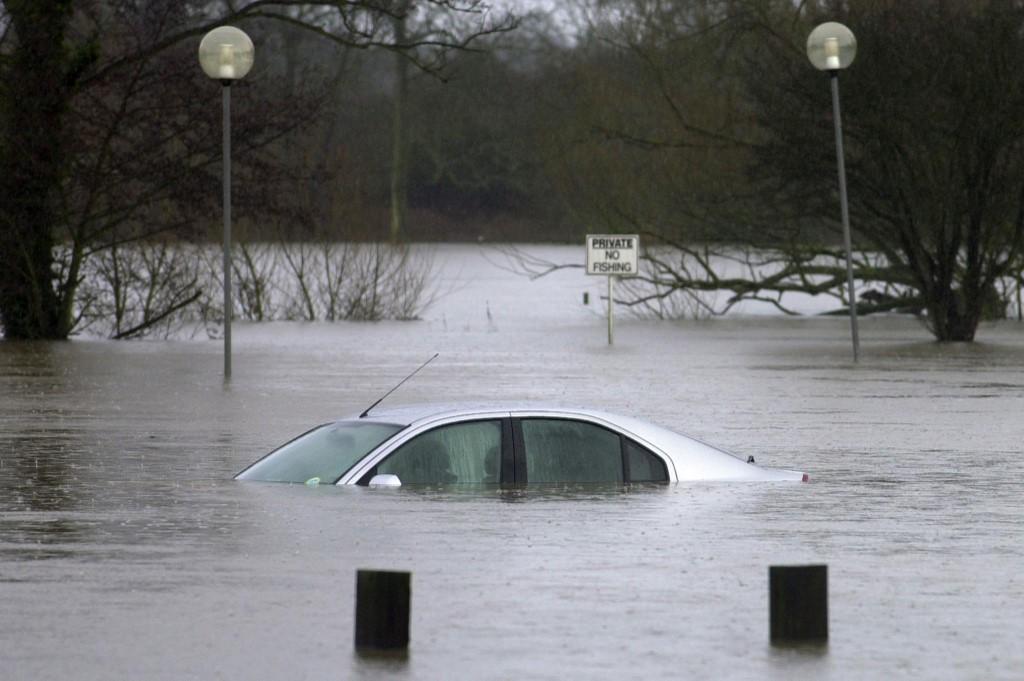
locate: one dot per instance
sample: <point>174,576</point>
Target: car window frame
<point>362,473</point>
<point>521,472</point>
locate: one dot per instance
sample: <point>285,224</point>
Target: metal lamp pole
<point>226,54</point>
<point>228,302</point>
<point>832,47</point>
<point>845,212</point>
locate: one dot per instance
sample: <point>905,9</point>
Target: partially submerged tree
<point>725,156</point>
<point>102,139</point>
<point>934,119</point>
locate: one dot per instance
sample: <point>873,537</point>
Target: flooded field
<point>127,552</point>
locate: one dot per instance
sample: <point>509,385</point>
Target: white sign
<point>613,253</point>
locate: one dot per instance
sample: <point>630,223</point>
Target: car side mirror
<point>385,480</point>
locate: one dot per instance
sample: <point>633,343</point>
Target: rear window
<point>643,465</point>
<point>321,455</point>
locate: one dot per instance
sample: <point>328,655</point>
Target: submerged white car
<point>441,445</point>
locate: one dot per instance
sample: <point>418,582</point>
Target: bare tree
<point>138,290</point>
<point>934,115</point>
<point>704,128</point>
<point>253,268</point>
<point>102,140</point>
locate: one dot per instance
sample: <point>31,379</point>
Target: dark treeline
<point>699,124</point>
<point>482,140</point>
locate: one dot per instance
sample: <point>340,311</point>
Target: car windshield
<point>321,455</point>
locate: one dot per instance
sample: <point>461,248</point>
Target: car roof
<point>408,414</point>
<point>421,414</point>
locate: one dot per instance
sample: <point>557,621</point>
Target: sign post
<point>612,255</point>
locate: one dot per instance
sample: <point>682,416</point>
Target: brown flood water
<point>127,552</point>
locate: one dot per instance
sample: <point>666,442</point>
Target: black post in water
<point>799,603</point>
<point>382,610</point>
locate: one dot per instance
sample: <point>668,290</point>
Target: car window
<point>643,465</point>
<point>324,453</point>
<point>562,450</point>
<point>461,453</point>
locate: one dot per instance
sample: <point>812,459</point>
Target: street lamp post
<point>832,47</point>
<point>226,54</point>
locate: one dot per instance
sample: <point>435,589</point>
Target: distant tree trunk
<point>954,315</point>
<point>36,88</point>
<point>399,157</point>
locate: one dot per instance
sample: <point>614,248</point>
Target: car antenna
<point>365,413</point>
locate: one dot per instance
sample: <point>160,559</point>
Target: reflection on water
<point>125,546</point>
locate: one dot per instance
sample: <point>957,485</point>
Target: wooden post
<point>798,596</point>
<point>382,610</point>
